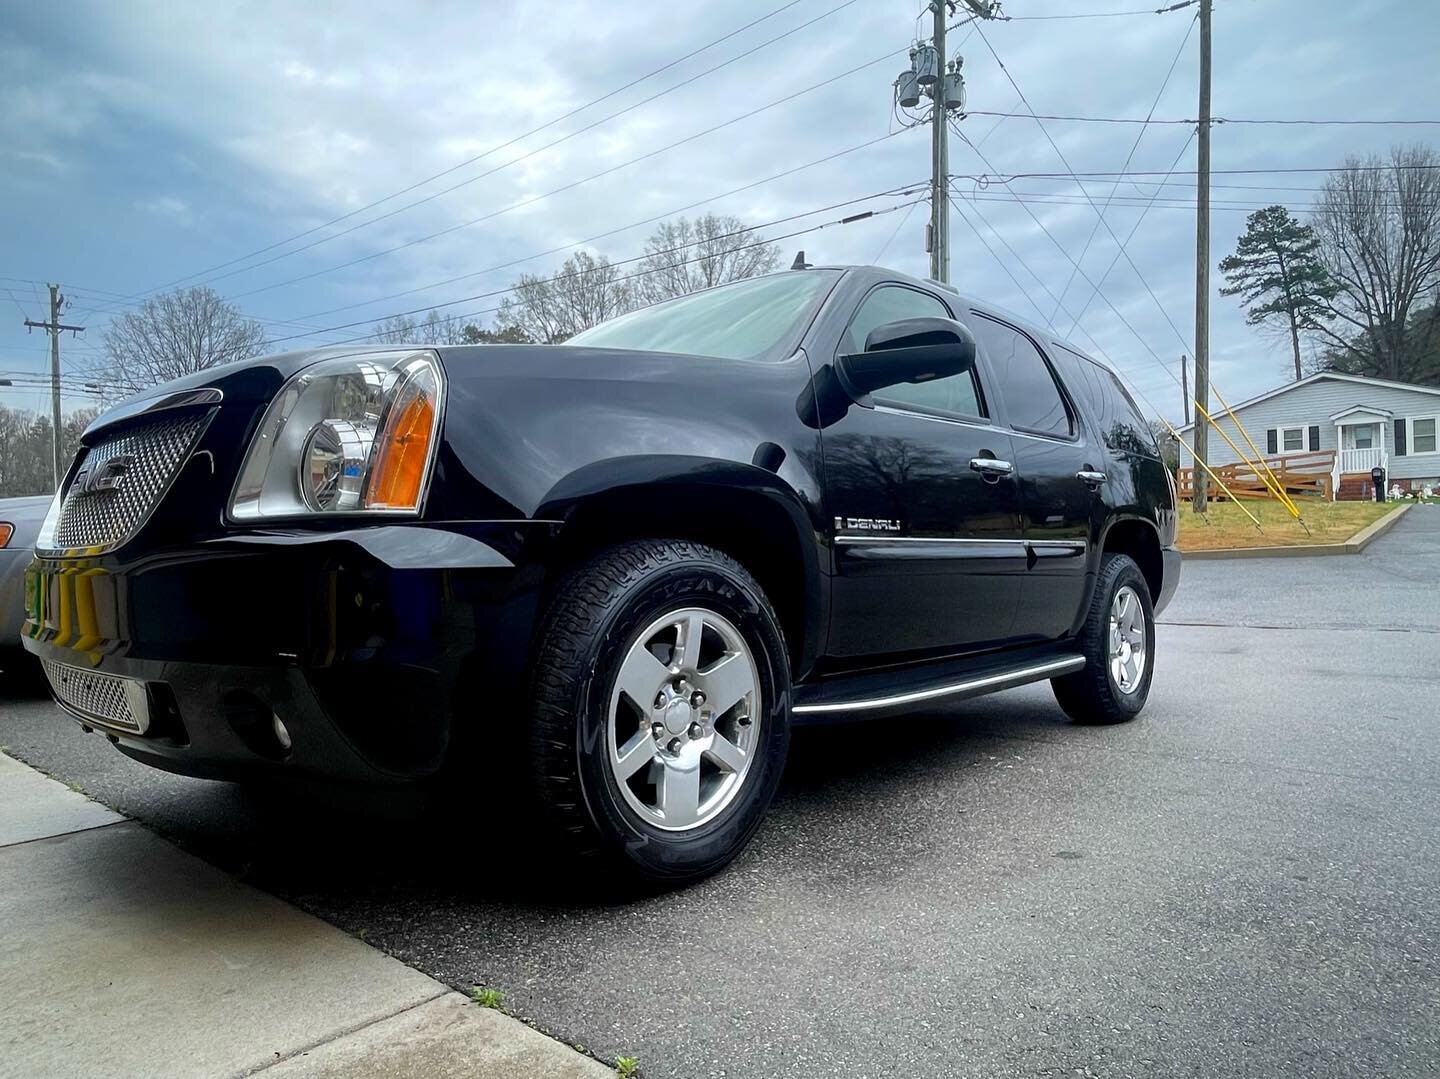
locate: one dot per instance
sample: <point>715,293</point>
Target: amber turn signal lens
<point>6,531</point>
<point>403,449</point>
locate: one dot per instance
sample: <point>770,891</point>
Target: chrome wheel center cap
<point>678,716</point>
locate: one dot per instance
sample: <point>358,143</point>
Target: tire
<point>592,651</point>
<point>1093,694</point>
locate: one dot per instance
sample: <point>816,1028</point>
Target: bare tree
<point>686,256</point>
<point>176,333</point>
<point>26,467</point>
<point>585,292</point>
<point>1379,226</point>
<point>434,329</point>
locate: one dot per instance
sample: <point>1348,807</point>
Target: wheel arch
<point>747,511</point>
<point>1139,538</point>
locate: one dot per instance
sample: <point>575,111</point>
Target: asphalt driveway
<point>1246,881</point>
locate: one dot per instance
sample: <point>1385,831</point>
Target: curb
<point>1354,545</point>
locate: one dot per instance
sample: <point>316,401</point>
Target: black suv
<point>622,566</point>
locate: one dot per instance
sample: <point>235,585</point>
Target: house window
<point>1422,435</point>
<point>1365,437</point>
<point>1292,439</point>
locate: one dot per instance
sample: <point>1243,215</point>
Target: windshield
<point>760,318</point>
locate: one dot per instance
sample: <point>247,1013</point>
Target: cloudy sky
<point>145,144</point>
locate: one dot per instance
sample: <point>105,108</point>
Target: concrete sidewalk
<point>123,956</point>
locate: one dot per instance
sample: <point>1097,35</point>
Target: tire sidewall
<point>656,852</point>
<point>1127,573</point>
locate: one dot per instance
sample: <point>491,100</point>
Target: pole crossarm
<point>54,327</point>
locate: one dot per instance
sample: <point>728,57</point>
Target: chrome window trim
<point>982,422</point>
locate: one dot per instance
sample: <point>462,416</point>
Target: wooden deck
<point>1297,473</point>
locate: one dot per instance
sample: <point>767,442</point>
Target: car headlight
<point>353,435</point>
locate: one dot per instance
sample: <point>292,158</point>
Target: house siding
<point>1313,405</point>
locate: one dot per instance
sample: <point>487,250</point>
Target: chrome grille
<point>115,702</point>
<point>134,468</point>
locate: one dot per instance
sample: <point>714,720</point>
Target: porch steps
<point>1355,487</point>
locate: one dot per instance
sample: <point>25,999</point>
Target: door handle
<point>1089,478</point>
<point>990,468</point>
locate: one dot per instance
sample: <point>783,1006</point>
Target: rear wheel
<point>660,718</point>
<point>1118,642</point>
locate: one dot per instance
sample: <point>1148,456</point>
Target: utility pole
<point>940,160</point>
<point>1200,438</point>
<point>931,75</point>
<point>1185,387</point>
<point>54,326</point>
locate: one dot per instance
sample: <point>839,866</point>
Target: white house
<point>1364,422</point>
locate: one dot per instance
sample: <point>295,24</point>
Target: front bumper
<point>361,643</point>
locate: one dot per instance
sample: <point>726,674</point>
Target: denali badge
<point>865,524</point>
<point>106,476</point>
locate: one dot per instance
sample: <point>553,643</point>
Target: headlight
<point>350,435</point>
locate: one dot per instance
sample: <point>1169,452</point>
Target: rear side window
<point>1033,401</point>
<point>1121,425</point>
<point>958,395</point>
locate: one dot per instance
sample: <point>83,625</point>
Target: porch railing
<point>1362,460</point>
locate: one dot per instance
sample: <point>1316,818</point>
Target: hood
<point>247,382</point>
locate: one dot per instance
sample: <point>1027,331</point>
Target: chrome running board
<point>982,683</point>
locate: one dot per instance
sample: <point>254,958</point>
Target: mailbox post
<point>1377,480</point>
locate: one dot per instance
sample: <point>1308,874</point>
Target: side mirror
<point>911,350</point>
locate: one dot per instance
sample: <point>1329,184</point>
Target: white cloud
<point>177,209</point>
<point>298,115</point>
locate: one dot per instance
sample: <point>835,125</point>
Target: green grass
<point>627,1067</point>
<point>1225,525</point>
<point>486,997</point>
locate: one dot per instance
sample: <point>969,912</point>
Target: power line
<point>850,219</point>
<point>1064,161</point>
<point>525,156</point>
<point>574,183</point>
<point>999,262</point>
<point>1098,14</point>
<point>1214,120</point>
<point>1133,230</point>
<point>896,232</point>
<point>1164,84</point>
<point>492,150</point>
<point>602,235</point>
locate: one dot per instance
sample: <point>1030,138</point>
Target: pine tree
<point>1277,272</point>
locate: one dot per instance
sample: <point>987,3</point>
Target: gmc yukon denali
<point>621,567</point>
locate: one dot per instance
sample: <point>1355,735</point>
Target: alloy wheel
<point>684,719</point>
<point>1127,639</point>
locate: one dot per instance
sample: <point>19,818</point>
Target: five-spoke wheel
<point>683,718</point>
<point>1127,639</point>
<point>661,690</point>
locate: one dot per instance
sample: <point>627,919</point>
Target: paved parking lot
<point>1243,882</point>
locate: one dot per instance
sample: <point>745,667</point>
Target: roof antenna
<point>800,263</point>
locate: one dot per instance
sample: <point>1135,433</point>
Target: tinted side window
<point>958,395</point>
<point>1032,399</point>
<point>1121,424</point>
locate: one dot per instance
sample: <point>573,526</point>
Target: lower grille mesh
<point>101,697</point>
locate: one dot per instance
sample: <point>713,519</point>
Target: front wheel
<point>1118,641</point>
<point>660,717</point>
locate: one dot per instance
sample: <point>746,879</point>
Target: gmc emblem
<point>105,476</point>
